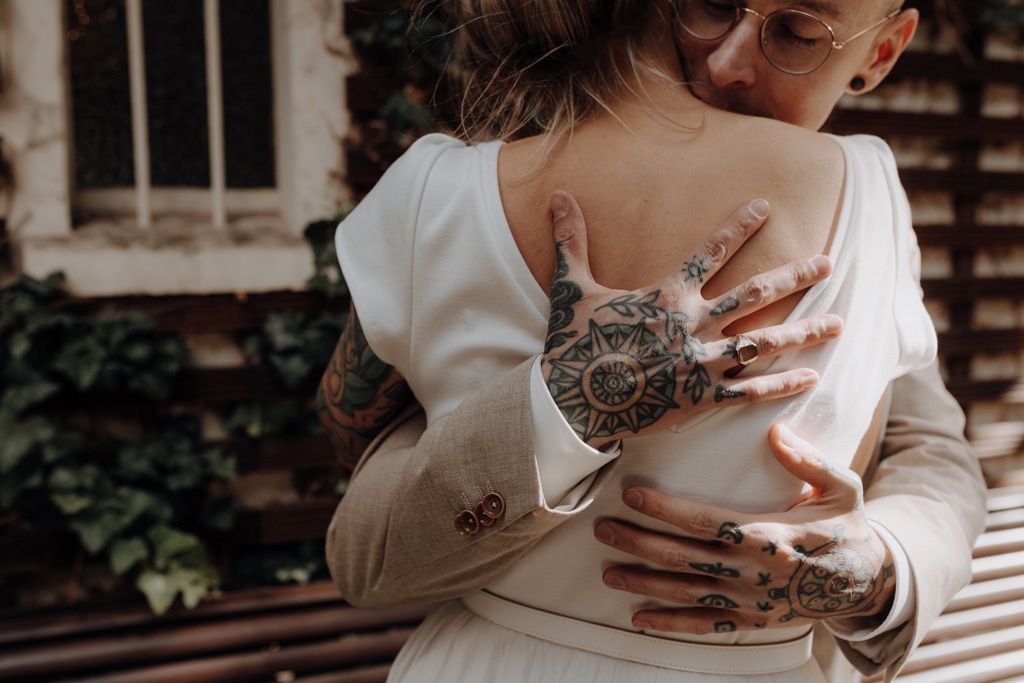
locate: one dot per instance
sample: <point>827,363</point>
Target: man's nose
<point>734,61</point>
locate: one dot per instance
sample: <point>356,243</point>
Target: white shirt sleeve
<point>904,602</point>
<point>566,465</point>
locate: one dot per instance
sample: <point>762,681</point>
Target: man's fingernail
<point>641,623</point>
<point>632,498</point>
<point>808,379</point>
<point>820,263</point>
<point>559,206</point>
<point>614,581</point>
<point>604,533</point>
<point>833,324</point>
<point>759,208</point>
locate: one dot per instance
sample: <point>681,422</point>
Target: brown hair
<point>540,66</point>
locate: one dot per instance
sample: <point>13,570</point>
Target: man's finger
<point>570,233</point>
<point>675,554</point>
<point>698,621</point>
<point>723,243</point>
<point>767,288</point>
<point>781,339</point>
<point>685,590</point>
<point>702,521</point>
<point>805,462</point>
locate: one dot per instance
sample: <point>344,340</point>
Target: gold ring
<point>746,350</point>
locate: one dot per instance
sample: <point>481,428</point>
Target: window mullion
<point>215,108</point>
<point>140,122</point>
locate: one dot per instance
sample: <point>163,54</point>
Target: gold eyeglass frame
<point>741,10</point>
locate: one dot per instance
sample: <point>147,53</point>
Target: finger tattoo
<point>728,304</point>
<point>696,269</point>
<point>715,569</point>
<point>731,531</point>
<point>723,394</point>
<point>716,600</point>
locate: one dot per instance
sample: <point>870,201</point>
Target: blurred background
<point>171,172</point>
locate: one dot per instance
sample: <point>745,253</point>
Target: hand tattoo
<point>618,377</point>
<point>564,295</point>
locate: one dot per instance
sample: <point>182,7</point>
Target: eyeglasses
<point>792,41</point>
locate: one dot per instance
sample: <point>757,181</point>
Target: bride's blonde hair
<point>540,66</point>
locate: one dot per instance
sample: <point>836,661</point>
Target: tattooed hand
<point>627,363</point>
<point>818,560</point>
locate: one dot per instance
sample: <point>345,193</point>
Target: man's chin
<point>727,100</point>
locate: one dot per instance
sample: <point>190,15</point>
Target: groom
<point>922,494</point>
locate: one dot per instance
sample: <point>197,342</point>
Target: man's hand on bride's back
<point>624,363</point>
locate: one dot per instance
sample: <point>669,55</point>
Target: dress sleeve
<point>376,245</point>
<point>914,327</point>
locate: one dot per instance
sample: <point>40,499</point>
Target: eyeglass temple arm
<point>887,17</point>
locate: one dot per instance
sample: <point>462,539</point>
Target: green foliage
<point>297,346</point>
<point>61,470</point>
<point>254,421</point>
<point>418,49</point>
<point>293,563</point>
<point>327,278</point>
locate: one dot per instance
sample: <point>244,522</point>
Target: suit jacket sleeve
<point>393,539</point>
<point>928,491</point>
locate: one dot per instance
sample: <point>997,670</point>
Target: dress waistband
<point>638,647</point>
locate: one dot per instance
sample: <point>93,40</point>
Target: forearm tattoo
<point>359,394</point>
<point>622,375</point>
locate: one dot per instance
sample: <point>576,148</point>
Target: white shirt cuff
<point>565,464</point>
<point>904,603</point>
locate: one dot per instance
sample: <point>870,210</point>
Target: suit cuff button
<point>493,505</point>
<point>467,523</point>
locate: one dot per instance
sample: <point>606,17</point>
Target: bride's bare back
<point>651,189</point>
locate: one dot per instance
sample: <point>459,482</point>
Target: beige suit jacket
<point>393,539</point>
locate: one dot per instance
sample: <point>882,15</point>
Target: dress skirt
<point>455,645</point>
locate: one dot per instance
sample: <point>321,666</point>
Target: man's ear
<point>886,50</point>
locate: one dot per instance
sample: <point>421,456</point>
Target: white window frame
<point>217,200</point>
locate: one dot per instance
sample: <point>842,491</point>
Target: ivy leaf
<point>125,553</point>
<point>17,400</point>
<point>81,361</point>
<point>168,542</point>
<point>71,503</point>
<point>160,590</point>
<point>193,588</point>
<point>293,368</point>
<point>220,464</point>
<point>284,330</point>
<point>63,445</point>
<point>20,437</point>
<point>96,531</point>
<point>19,344</point>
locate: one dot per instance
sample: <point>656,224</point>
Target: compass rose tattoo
<point>617,377</point>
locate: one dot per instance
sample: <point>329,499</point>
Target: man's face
<point>732,73</point>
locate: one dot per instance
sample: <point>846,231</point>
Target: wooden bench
<point>305,634</point>
<point>980,636</point>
